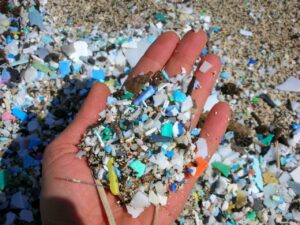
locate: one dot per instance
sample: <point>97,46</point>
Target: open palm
<point>68,203</point>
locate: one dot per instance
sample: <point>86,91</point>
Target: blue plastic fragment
<point>179,96</point>
<point>64,68</point>
<point>225,75</point>
<point>295,126</point>
<point>35,18</point>
<point>167,173</point>
<point>13,29</point>
<point>145,95</point>
<point>216,29</point>
<point>204,52</point>
<point>180,129</point>
<point>252,61</point>
<point>170,154</point>
<point>165,75</point>
<point>5,75</point>
<point>171,109</point>
<point>76,68</point>
<point>108,149</point>
<point>9,39</point>
<point>173,187</point>
<point>34,142</point>
<point>19,114</point>
<point>98,75</point>
<point>11,56</point>
<point>195,132</point>
<point>190,170</point>
<point>117,171</point>
<point>47,39</point>
<point>144,117</point>
<point>258,176</point>
<point>110,100</point>
<point>3,139</point>
<point>151,39</point>
<point>127,69</point>
<point>28,161</point>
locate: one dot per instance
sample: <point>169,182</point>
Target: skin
<point>68,203</point>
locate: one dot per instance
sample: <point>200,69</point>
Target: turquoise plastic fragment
<point>265,140</point>
<point>160,17</point>
<point>138,167</point>
<point>224,169</point>
<point>179,96</point>
<point>3,179</point>
<point>167,130</point>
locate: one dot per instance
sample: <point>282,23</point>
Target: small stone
<point>26,215</point>
<point>241,199</point>
<point>18,201</point>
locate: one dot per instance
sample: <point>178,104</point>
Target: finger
<point>186,53</point>
<point>213,131</point>
<point>158,54</point>
<point>88,115</point>
<point>206,81</point>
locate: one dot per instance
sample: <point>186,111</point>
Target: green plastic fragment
<point>167,130</point>
<point>160,17</point>
<point>224,169</point>
<point>128,95</point>
<point>138,167</point>
<point>251,215</point>
<point>106,134</point>
<point>3,179</point>
<point>265,140</point>
<point>42,67</point>
<point>255,100</point>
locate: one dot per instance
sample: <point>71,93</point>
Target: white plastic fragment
<point>202,150</point>
<point>187,104</point>
<point>137,204</point>
<point>291,84</point>
<point>211,101</point>
<point>161,160</point>
<point>153,198</point>
<point>295,139</point>
<point>18,201</point>
<point>246,32</point>
<point>10,218</point>
<point>76,50</point>
<point>205,67</point>
<point>133,55</point>
<point>295,174</point>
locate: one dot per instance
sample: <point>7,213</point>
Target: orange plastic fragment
<point>201,166</point>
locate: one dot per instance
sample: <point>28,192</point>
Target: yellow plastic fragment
<point>270,178</point>
<point>110,83</point>
<point>112,177</point>
<point>195,197</point>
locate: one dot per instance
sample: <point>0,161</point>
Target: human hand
<point>68,203</point>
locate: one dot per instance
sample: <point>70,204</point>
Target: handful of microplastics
<point>142,148</point>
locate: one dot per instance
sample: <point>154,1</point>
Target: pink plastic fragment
<point>8,116</point>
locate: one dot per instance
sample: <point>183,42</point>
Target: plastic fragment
<point>10,218</point>
<point>145,95</point>
<point>19,114</point>
<point>265,140</point>
<point>98,75</point>
<point>251,215</point>
<point>35,18</point>
<point>26,215</point>
<point>179,96</point>
<point>258,176</point>
<point>246,33</point>
<point>295,174</point>
<point>112,176</point>
<point>224,169</point>
<point>64,68</point>
<point>3,179</point>
<point>205,67</point>
<point>291,84</point>
<point>138,167</point>
<point>202,149</point>
<point>167,130</point>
